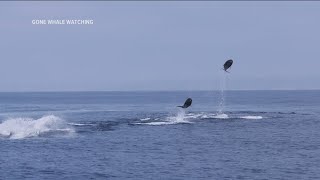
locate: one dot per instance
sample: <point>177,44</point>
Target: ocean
<point>143,135</point>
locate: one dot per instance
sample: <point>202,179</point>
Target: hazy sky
<point>159,46</point>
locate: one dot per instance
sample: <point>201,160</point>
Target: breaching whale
<point>187,103</point>
<point>227,65</point>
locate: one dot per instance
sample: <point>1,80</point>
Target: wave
<point>20,128</point>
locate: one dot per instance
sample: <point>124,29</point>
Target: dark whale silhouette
<point>187,103</point>
<point>227,65</point>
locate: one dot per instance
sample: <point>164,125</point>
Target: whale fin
<point>187,103</point>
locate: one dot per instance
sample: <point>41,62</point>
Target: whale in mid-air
<point>227,65</point>
<point>187,103</point>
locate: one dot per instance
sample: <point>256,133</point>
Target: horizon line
<point>75,91</point>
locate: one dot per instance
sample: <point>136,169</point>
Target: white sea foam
<point>193,116</point>
<point>214,116</point>
<point>145,119</point>
<point>19,128</point>
<point>251,117</point>
<point>159,123</point>
<point>179,118</point>
<point>80,124</point>
<point>221,116</point>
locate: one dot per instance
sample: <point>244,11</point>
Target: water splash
<point>19,128</point>
<point>180,117</point>
<point>223,83</point>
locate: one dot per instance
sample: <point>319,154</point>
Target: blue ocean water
<point>143,135</point>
